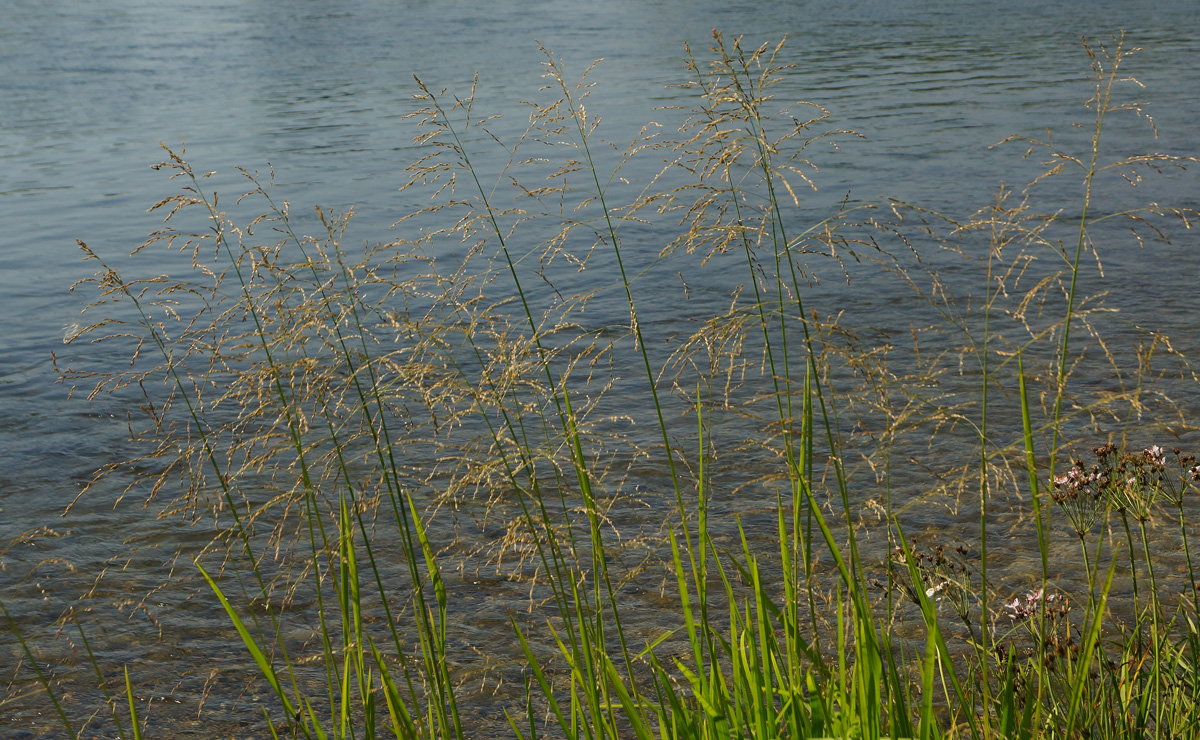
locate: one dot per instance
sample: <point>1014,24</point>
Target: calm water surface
<point>89,89</point>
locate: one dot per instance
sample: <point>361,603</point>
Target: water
<point>89,90</point>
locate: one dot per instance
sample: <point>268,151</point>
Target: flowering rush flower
<point>935,590</point>
<point>1025,607</point>
<point>1154,455</point>
<point>1078,483</point>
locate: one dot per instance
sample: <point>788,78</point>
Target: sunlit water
<point>88,90</point>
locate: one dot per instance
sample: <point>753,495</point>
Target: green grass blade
<point>133,716</point>
<point>1081,678</point>
<point>264,664</point>
<point>62,715</point>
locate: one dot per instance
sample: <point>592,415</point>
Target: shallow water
<point>320,94</point>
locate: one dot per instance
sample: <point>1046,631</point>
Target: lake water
<point>320,92</point>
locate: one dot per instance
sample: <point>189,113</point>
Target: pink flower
<point>1154,455</point>
<point>1025,608</point>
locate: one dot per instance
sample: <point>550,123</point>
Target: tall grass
<point>700,509</point>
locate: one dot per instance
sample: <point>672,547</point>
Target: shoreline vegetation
<point>696,523</point>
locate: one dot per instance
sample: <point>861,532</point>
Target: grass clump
<point>690,514</point>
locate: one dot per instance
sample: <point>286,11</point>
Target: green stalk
<point>42,679</point>
<point>1156,635</point>
<point>1103,98</point>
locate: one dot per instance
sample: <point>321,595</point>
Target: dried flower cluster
<point>944,576</point>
